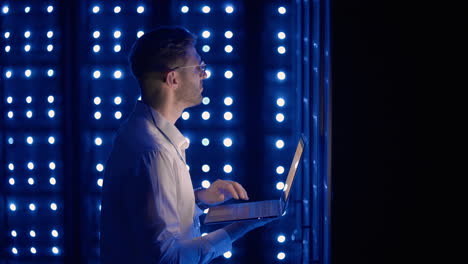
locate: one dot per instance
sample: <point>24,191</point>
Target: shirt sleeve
<point>172,243</point>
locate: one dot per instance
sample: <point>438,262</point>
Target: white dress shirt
<point>148,212</point>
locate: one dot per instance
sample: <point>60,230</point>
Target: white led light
<point>27,9</point>
<point>13,233</point>
<point>206,9</point>
<point>10,114</point>
<point>5,9</point>
<point>228,74</point>
<point>117,34</point>
<point>96,48</point>
<point>50,72</point>
<point>280,169</point>
<point>282,10</point>
<point>228,101</point>
<point>50,99</point>
<point>206,184</point>
<point>10,140</point>
<point>96,34</point>
<point>281,239</point>
<point>204,234</point>
<point>96,9</point>
<point>52,166</point>
<point>11,166</point>
<point>205,142</point>
<point>51,113</point>
<point>280,185</point>
<point>281,50</point>
<point>206,100</point>
<point>27,48</point>
<point>140,33</point>
<point>279,144</point>
<point>27,73</point>
<point>9,99</point>
<point>206,34</point>
<point>99,167</point>
<point>117,100</point>
<point>206,211</point>
<point>205,48</point>
<point>280,102</point>
<point>117,74</point>
<point>281,35</point>
<point>97,115</point>
<point>205,168</point>
<point>6,35</point>
<point>50,9</point>
<point>228,34</point>
<point>206,115</point>
<point>185,115</point>
<point>32,233</point>
<point>117,48</point>
<point>55,250</point>
<point>117,9</point>
<point>53,206</point>
<point>281,255</point>
<point>7,48</point>
<point>50,47</point>
<point>227,254</point>
<point>11,181</point>
<point>140,9</point>
<point>184,9</point>
<point>27,34</point>
<point>32,207</point>
<point>31,181</point>
<point>97,100</point>
<point>33,249</point>
<point>51,140</point>
<point>30,166</point>
<point>228,116</point>
<point>29,140</point>
<point>228,48</point>
<point>14,251</point>
<point>280,117</point>
<point>8,75</point>
<point>281,75</point>
<point>227,168</point>
<point>52,181</point>
<point>28,99</point>
<point>29,114</point>
<point>96,74</point>
<point>54,233</point>
<point>208,74</point>
<point>227,142</point>
<point>98,141</point>
<point>12,207</point>
<point>229,9</point>
<point>118,115</point>
<point>50,34</point>
<point>99,182</point>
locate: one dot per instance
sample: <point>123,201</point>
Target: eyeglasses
<point>201,67</point>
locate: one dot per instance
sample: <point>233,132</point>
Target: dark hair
<point>159,50</point>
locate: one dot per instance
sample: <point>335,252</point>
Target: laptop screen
<point>292,171</point>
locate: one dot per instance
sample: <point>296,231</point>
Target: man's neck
<point>169,110</point>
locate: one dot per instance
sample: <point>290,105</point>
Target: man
<point>150,211</point>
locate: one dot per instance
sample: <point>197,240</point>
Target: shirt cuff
<point>220,240</point>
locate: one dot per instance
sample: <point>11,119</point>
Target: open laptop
<point>261,209</point>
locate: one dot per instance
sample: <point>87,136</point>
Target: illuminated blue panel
<point>31,99</point>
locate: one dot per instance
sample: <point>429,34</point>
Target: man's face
<point>190,90</point>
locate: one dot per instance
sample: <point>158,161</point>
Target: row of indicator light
<point>32,207</point>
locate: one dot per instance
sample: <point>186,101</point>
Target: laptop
<point>262,209</point>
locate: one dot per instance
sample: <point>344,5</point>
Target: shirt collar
<point>165,126</point>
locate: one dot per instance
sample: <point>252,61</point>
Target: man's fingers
<point>240,190</point>
<point>230,188</point>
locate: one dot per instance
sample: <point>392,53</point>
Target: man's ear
<point>172,79</point>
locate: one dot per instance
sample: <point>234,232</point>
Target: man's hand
<point>221,191</point>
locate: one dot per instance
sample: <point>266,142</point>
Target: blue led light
<point>206,100</point>
<point>206,34</point>
<point>10,141</point>
<point>50,72</point>
<point>205,142</point>
<point>205,48</point>
<point>27,9</point>
<point>184,9</point>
